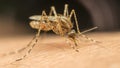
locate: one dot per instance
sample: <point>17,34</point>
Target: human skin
<point>54,52</point>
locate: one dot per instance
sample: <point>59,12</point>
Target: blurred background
<point>14,14</point>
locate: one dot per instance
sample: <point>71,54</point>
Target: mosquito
<point>60,24</point>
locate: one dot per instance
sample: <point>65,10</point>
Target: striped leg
<point>78,30</point>
<point>34,43</point>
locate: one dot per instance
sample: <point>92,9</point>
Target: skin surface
<point>53,52</point>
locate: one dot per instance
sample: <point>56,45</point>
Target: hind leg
<point>66,13</point>
<point>34,41</point>
<point>75,46</point>
<point>72,36</point>
<point>53,11</point>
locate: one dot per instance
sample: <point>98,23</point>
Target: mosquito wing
<point>35,17</point>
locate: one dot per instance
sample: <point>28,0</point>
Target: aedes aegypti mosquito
<point>60,24</point>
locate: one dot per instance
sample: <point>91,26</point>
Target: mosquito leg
<point>22,49</point>
<point>87,37</point>
<point>66,13</point>
<point>76,21</point>
<point>44,13</point>
<point>36,40</point>
<point>53,11</point>
<point>32,43</point>
<point>78,30</point>
<point>75,44</point>
<point>68,42</point>
<point>90,39</point>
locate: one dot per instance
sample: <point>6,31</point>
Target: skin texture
<point>54,52</point>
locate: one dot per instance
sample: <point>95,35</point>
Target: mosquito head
<point>72,33</point>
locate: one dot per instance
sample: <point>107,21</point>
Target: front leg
<point>34,41</point>
<point>75,46</point>
<point>72,37</point>
<point>53,11</point>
